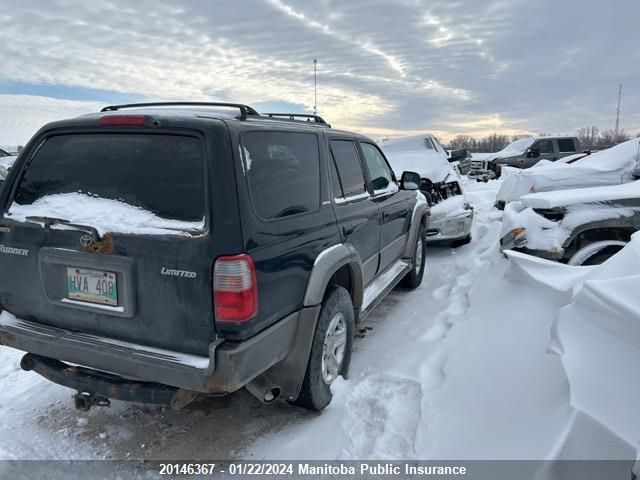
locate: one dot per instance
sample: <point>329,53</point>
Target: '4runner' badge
<point>178,273</point>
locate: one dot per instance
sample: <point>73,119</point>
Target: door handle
<point>349,228</point>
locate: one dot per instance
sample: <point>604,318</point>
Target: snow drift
<point>597,335</point>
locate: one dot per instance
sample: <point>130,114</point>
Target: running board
<point>383,284</point>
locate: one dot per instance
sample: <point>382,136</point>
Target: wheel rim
<point>418,259</point>
<point>335,342</point>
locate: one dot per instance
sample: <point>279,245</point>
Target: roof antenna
<point>315,87</point>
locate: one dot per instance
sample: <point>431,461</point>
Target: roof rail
<point>245,110</point>
<point>295,116</point>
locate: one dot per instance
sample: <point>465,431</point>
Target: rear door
<point>393,204</point>
<point>566,147</point>
<point>113,230</point>
<point>356,210</point>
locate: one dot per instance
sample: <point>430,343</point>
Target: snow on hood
<point>597,335</point>
<point>103,214</point>
<point>411,154</point>
<point>559,198</point>
<point>607,167</point>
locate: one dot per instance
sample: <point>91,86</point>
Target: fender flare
<point>420,211</point>
<point>326,264</point>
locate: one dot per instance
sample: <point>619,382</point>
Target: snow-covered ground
<point>458,369</point>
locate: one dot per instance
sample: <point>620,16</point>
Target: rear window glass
<point>345,155</point>
<point>566,145</point>
<point>162,174</point>
<point>283,170</point>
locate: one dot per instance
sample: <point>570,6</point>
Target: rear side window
<point>283,171</point>
<point>162,174</point>
<point>566,145</point>
<point>349,169</point>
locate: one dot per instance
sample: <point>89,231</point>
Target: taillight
<point>123,120</point>
<point>235,290</point>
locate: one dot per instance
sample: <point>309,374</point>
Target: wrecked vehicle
<point>613,166</point>
<point>579,227</point>
<point>451,212</point>
<point>523,153</point>
<point>152,252</point>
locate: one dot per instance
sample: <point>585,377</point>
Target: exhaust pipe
<point>265,392</point>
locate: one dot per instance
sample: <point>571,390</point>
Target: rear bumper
<point>229,366</point>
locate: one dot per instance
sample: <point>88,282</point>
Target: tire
<point>463,241</point>
<point>602,256</point>
<point>413,278</point>
<point>337,309</point>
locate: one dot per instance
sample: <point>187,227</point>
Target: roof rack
<point>295,116</point>
<point>245,110</point>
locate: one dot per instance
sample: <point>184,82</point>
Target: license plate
<point>95,286</point>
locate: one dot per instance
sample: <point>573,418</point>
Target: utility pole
<point>315,87</point>
<point>616,130</point>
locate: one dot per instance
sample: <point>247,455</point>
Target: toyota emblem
<point>86,240</point>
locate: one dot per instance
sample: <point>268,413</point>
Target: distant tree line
<point>588,136</point>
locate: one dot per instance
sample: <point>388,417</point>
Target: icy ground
<point>457,369</point>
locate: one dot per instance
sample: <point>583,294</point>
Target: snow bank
<point>7,162</point>
<point>608,167</point>
<point>597,335</point>
<point>103,214</point>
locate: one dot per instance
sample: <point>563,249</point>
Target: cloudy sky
<point>384,68</point>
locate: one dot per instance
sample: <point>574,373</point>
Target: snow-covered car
<point>451,213</point>
<point>613,166</point>
<point>524,153</point>
<point>580,227</point>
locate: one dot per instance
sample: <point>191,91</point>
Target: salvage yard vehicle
<point>152,252</point>
<point>451,212</point>
<point>579,227</point>
<point>613,166</point>
<point>524,153</point>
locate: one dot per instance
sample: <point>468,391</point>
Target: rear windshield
<point>162,174</point>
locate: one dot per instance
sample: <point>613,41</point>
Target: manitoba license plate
<point>93,286</point>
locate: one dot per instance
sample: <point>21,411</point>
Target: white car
<point>451,213</point>
<point>613,166</point>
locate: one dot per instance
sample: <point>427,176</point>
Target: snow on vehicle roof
<point>412,154</point>
<point>607,167</point>
<point>103,214</point>
<point>559,198</point>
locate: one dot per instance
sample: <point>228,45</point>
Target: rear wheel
<point>597,252</point>
<point>330,351</point>
<point>414,278</point>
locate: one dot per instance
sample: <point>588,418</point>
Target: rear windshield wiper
<point>49,221</point>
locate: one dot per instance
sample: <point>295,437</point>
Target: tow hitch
<point>95,388</point>
<point>83,401</point>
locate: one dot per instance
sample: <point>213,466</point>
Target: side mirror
<point>533,152</point>
<point>410,181</point>
<point>457,155</point>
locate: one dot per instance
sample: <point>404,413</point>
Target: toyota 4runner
<point>150,252</point>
